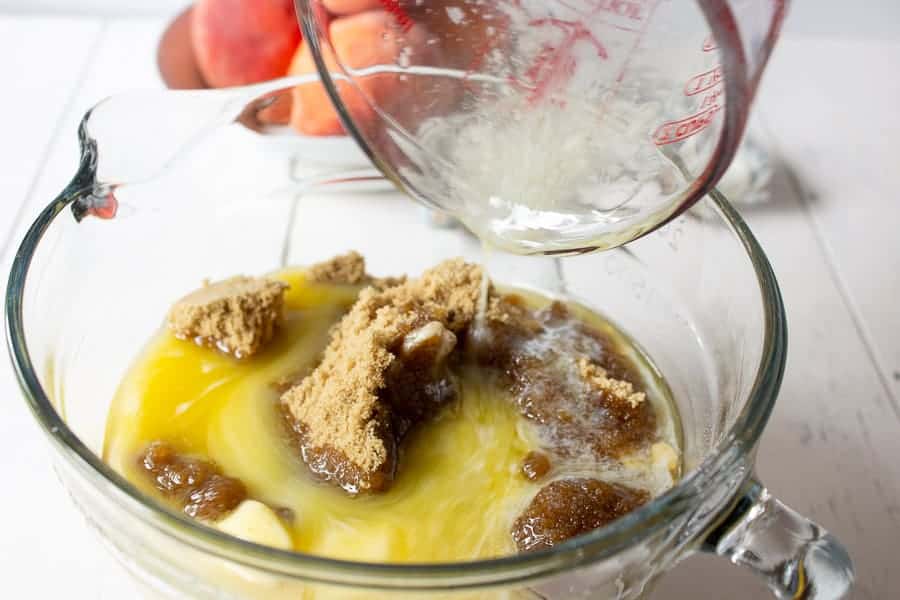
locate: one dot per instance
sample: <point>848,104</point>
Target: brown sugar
<point>581,407</point>
<point>238,315</point>
<point>197,485</point>
<point>383,371</point>
<point>348,269</point>
<point>597,377</point>
<point>566,508</point>
<point>535,465</point>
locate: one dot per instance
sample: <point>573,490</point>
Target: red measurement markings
<point>400,15</point>
<point>555,63</point>
<point>703,81</point>
<point>629,9</point>
<point>632,10</point>
<point>676,131</point>
<point>711,99</point>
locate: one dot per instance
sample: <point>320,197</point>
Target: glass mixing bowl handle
<point>798,559</point>
<point>169,124</point>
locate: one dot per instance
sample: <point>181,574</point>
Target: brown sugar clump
<point>238,315</point>
<point>586,407</point>
<point>597,377</point>
<point>535,465</point>
<point>348,269</point>
<point>569,507</point>
<point>383,371</point>
<point>197,485</point>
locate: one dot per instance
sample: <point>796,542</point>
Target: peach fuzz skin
<point>239,42</point>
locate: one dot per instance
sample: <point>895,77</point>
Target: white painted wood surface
<point>831,114</point>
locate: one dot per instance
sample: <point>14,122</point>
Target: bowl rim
<point>733,450</point>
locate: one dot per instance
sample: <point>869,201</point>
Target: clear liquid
<point>561,175</point>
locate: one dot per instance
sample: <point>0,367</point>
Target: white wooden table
<point>832,230</point>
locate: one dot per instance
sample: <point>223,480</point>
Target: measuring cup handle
<point>797,558</point>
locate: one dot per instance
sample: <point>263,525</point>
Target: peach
<point>311,110</point>
<point>349,7</point>
<point>238,42</point>
<point>361,40</point>
<point>279,111</point>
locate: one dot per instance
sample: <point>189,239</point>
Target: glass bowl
<point>97,270</point>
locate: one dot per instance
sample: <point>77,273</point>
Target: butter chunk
<point>255,522</point>
<point>664,459</point>
<point>431,342</point>
<point>238,316</point>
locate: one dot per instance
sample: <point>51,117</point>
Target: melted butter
<point>459,485</point>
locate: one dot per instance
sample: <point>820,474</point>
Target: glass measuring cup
<point>549,126</point>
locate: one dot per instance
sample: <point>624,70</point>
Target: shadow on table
<point>785,192</point>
